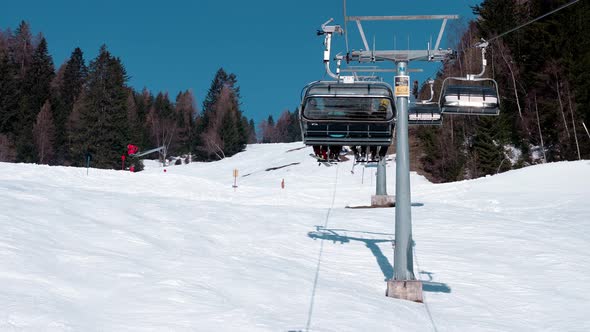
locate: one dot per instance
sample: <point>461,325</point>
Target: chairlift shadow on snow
<point>330,234</point>
<point>433,286</point>
<point>384,264</point>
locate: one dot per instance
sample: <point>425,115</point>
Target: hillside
<point>182,250</point>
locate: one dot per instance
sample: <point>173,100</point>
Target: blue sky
<point>270,45</point>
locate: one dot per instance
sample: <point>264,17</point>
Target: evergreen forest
<point>86,111</point>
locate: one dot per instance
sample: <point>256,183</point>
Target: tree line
<point>60,117</point>
<point>543,73</point>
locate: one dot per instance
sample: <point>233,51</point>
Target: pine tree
<point>221,79</point>
<point>135,126</point>
<point>143,104</point>
<point>35,91</point>
<point>267,129</point>
<point>103,129</point>
<point>229,133</point>
<point>74,77</point>
<point>39,77</point>
<point>252,132</point>
<point>221,110</point>
<point>186,115</point>
<point>68,87</point>
<point>244,131</point>
<point>294,130</point>
<point>8,96</point>
<point>486,148</point>
<point>21,48</point>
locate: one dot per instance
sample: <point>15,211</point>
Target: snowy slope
<point>183,251</point>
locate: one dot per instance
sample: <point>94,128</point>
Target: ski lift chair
<point>358,114</point>
<point>472,95</point>
<point>425,112</point>
<point>470,99</point>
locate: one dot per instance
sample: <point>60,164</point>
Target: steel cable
<point>317,271</point>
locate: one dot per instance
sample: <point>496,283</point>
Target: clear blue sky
<point>270,45</point>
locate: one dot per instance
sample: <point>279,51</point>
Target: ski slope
<point>183,251</point>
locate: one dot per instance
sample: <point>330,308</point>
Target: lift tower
<point>404,284</point>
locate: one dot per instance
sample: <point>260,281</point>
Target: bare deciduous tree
<point>282,127</point>
<point>504,53</point>
<point>162,131</point>
<point>186,117</point>
<point>540,133</point>
<point>558,89</point>
<point>44,134</point>
<point>569,97</point>
<point>212,140</point>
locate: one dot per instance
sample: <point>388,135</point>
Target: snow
<point>512,153</point>
<point>184,251</point>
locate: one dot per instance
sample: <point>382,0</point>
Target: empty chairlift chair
<point>470,99</point>
<point>471,95</point>
<point>357,114</point>
<point>425,112</point>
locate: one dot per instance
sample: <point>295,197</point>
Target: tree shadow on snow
<point>384,264</point>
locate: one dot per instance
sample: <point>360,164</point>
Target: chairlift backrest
<point>359,101</point>
<point>470,95</point>
<point>424,113</point>
<point>476,98</point>
<point>337,113</point>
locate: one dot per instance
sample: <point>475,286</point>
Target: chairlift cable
<point>533,20</point>
<point>426,306</point>
<point>317,271</point>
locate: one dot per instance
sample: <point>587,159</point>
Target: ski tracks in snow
<point>317,272</point>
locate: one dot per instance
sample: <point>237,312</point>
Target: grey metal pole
<point>381,177</point>
<point>403,263</point>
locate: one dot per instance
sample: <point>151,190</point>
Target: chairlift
<point>471,95</point>
<point>334,113</point>
<point>425,112</point>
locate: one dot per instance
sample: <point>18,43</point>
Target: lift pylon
<point>403,285</point>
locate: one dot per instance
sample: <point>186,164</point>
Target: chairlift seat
<point>336,113</point>
<point>424,113</point>
<point>470,100</point>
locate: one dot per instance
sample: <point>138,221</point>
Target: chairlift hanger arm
<point>429,100</point>
<point>328,30</point>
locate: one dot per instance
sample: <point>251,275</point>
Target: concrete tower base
<point>382,201</point>
<point>405,289</point>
